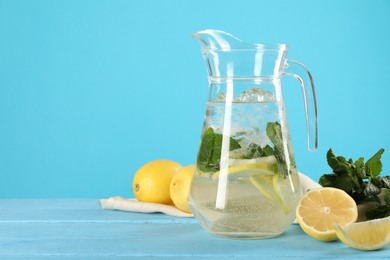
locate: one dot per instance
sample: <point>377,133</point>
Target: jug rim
<point>256,47</point>
<point>244,46</point>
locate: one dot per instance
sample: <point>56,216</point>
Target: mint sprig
<point>361,180</point>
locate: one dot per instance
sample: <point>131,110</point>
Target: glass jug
<point>246,184</point>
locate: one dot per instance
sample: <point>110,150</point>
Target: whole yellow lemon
<point>180,187</point>
<point>151,182</point>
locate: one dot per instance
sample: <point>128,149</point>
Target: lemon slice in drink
<point>288,190</point>
<point>245,171</point>
<point>368,235</point>
<point>259,173</point>
<point>269,186</point>
<point>245,167</point>
<point>263,162</point>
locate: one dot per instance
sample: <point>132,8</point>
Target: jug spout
<point>218,40</point>
<point>227,56</point>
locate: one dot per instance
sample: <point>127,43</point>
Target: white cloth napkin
<point>307,183</point>
<point>133,205</point>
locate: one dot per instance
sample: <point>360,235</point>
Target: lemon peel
<point>269,186</point>
<point>367,235</point>
<point>180,186</point>
<point>151,181</point>
<point>245,166</point>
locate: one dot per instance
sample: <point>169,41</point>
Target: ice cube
<point>252,136</point>
<point>247,138</point>
<point>256,94</point>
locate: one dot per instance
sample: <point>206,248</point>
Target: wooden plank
<point>73,210</point>
<point>129,239</point>
<point>79,229</point>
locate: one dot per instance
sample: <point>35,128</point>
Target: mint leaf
<point>209,154</point>
<point>233,144</point>
<point>381,211</point>
<point>373,188</point>
<point>356,181</point>
<point>385,181</point>
<point>340,181</point>
<point>374,164</point>
<point>378,210</point>
<point>387,198</point>
<point>338,163</point>
<point>216,151</point>
<point>327,180</point>
<point>268,150</point>
<point>274,133</point>
<point>205,150</point>
<point>217,148</point>
<point>332,160</point>
<point>255,151</point>
<point>360,167</point>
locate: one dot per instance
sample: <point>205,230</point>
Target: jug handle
<point>305,79</point>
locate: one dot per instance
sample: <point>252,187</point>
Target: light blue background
<point>91,90</point>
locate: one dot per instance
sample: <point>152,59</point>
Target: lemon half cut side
<point>319,210</point>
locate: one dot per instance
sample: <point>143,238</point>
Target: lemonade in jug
<point>246,184</point>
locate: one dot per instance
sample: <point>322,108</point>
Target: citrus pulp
<point>320,209</point>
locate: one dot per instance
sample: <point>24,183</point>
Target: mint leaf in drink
<point>268,150</point>
<point>206,150</point>
<point>255,151</point>
<point>216,151</point>
<point>209,154</point>
<point>217,148</point>
<point>274,133</point>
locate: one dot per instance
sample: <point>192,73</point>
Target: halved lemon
<point>320,209</point>
<point>368,235</point>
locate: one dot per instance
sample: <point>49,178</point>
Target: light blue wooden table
<point>80,229</point>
